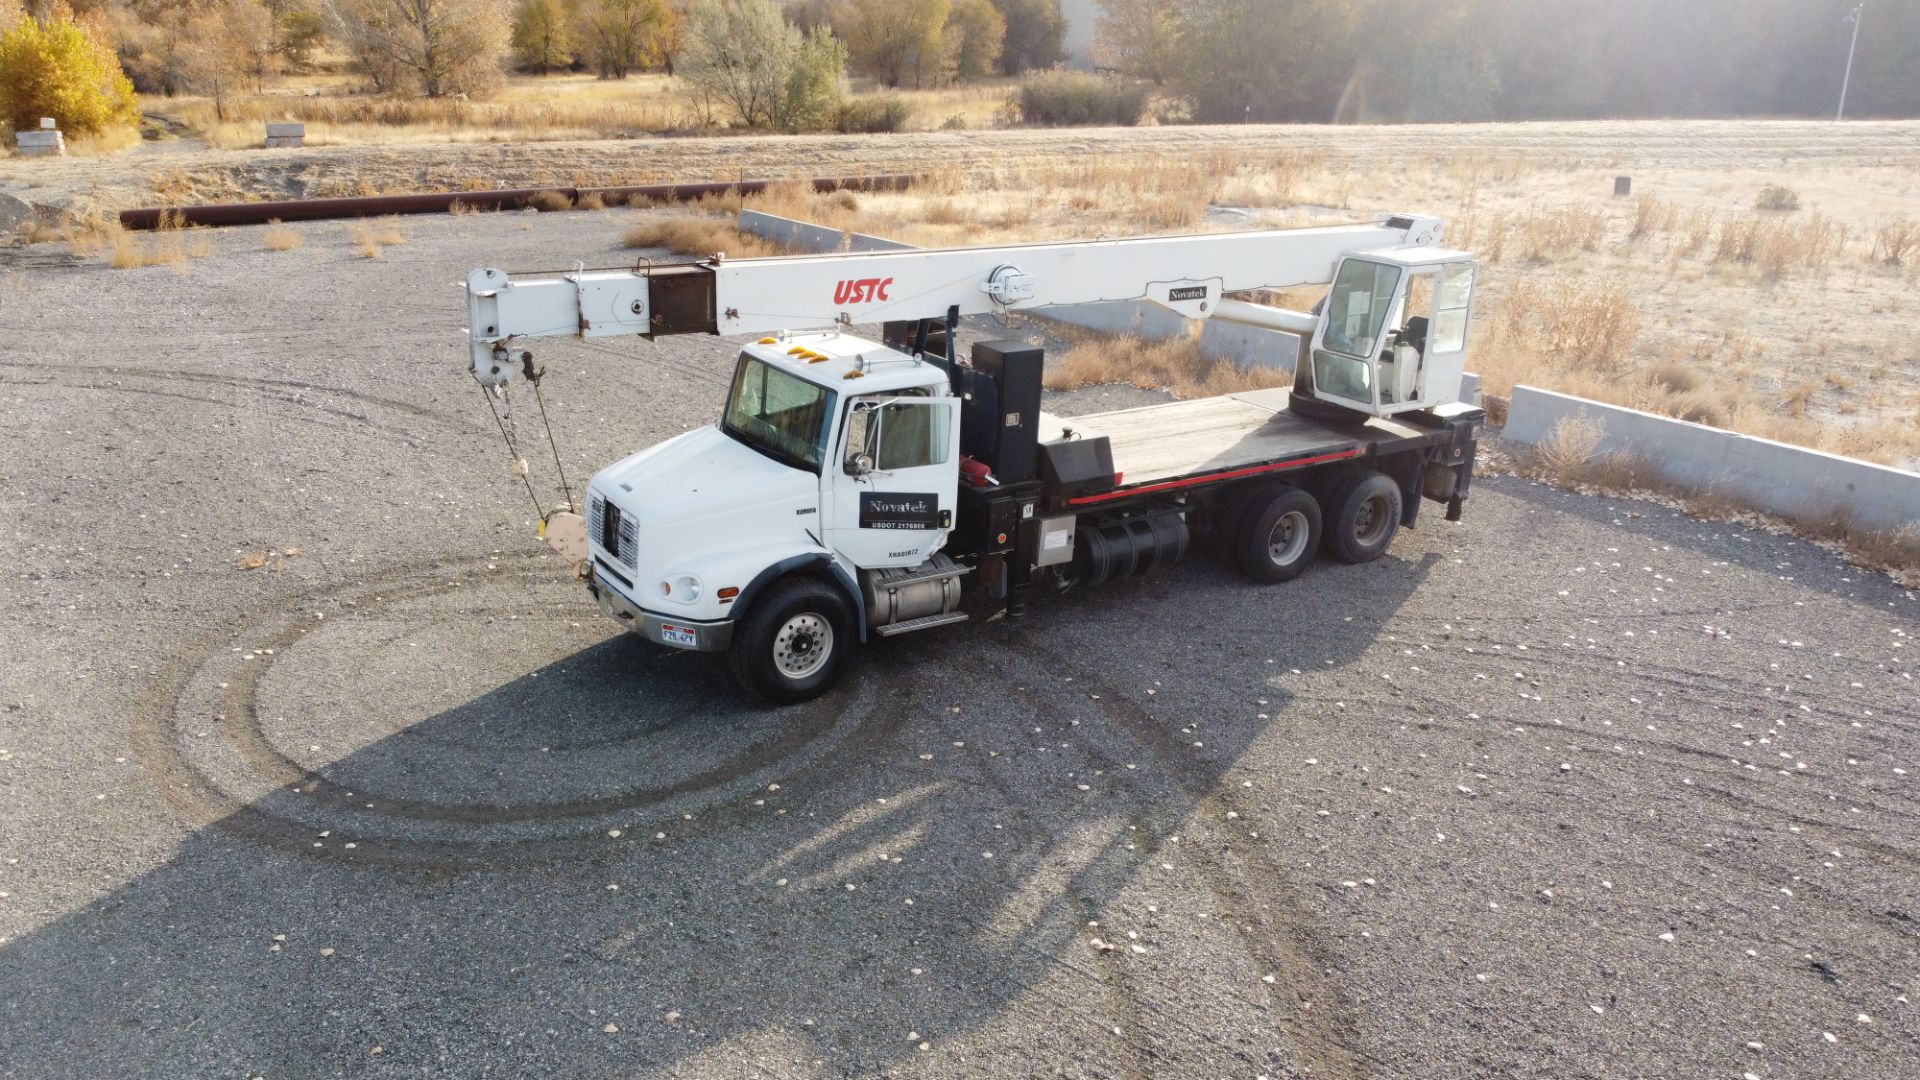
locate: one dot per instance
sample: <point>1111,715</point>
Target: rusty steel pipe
<point>442,202</point>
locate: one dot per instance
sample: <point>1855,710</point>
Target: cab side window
<point>912,434</point>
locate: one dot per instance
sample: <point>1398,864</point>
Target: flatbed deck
<point>1180,442</point>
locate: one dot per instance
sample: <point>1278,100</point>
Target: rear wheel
<point>1278,536</point>
<point>1362,518</point>
<point>791,646</point>
<point>1230,512</point>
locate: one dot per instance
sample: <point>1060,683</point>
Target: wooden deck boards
<point>1182,438</point>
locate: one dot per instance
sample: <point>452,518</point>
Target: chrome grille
<point>613,531</point>
<point>628,536</point>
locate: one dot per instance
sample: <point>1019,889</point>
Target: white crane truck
<point>854,487</point>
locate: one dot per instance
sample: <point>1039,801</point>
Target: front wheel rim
<point>803,645</point>
<point>1370,524</point>
<point>1288,540</point>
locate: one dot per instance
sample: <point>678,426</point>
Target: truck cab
<point>834,464</point>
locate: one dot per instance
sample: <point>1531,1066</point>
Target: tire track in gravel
<point>286,391</point>
<point>181,695</point>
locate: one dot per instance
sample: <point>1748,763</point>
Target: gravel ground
<point>1575,788</point>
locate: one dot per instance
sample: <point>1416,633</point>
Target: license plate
<point>679,635</point>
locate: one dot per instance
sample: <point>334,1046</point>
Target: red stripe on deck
<point>1214,478</point>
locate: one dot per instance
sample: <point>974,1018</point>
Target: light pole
<point>1854,18</point>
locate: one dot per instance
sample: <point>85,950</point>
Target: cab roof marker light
<point>769,341</point>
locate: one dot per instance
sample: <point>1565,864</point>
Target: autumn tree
<point>1035,37</point>
<point>1139,37</point>
<point>229,43</point>
<point>541,38</point>
<point>976,34</point>
<point>894,39</point>
<point>619,37</point>
<point>434,48</point>
<point>62,68</point>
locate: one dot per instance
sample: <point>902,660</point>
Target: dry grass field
<point>552,108</point>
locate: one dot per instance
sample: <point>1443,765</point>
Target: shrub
<point>699,237</point>
<point>62,70</point>
<point>1064,98</point>
<point>1777,197</point>
<point>278,237</point>
<point>956,122</point>
<point>1570,447</point>
<point>887,113</point>
<point>1896,240</point>
<point>549,201</point>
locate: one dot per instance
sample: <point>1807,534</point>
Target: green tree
<point>298,30</point>
<point>976,34</point>
<point>817,86</point>
<point>541,39</point>
<point>1036,35</point>
<point>61,69</point>
<point>742,56</point>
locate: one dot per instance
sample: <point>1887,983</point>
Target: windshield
<point>779,414</point>
<point>1358,305</point>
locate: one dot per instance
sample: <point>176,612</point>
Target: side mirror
<point>862,424</point>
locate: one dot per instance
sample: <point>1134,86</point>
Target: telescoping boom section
<point>1189,275</point>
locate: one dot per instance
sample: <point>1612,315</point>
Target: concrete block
<point>1249,346</point>
<point>42,143</point>
<point>1470,389</point>
<point>1120,317</point>
<point>286,136</point>
<point>1789,481</point>
<point>48,123</point>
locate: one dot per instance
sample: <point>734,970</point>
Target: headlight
<point>684,589</point>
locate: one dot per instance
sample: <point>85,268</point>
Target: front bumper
<point>674,633</point>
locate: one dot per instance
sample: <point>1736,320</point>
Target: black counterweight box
<point>1076,466</point>
<point>1011,424</point>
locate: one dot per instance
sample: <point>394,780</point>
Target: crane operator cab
<point>1392,335</point>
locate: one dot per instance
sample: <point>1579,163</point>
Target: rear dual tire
<point>1276,535</point>
<point>1362,518</point>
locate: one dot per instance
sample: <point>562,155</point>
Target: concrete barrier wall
<point>1248,346</point>
<point>1790,481</point>
<point>806,236</point>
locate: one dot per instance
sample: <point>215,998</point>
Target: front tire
<point>1278,536</point>
<point>791,646</point>
<point>1363,518</point>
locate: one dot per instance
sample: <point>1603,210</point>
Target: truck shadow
<point>614,864</point>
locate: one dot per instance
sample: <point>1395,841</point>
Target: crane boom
<point>1186,274</point>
